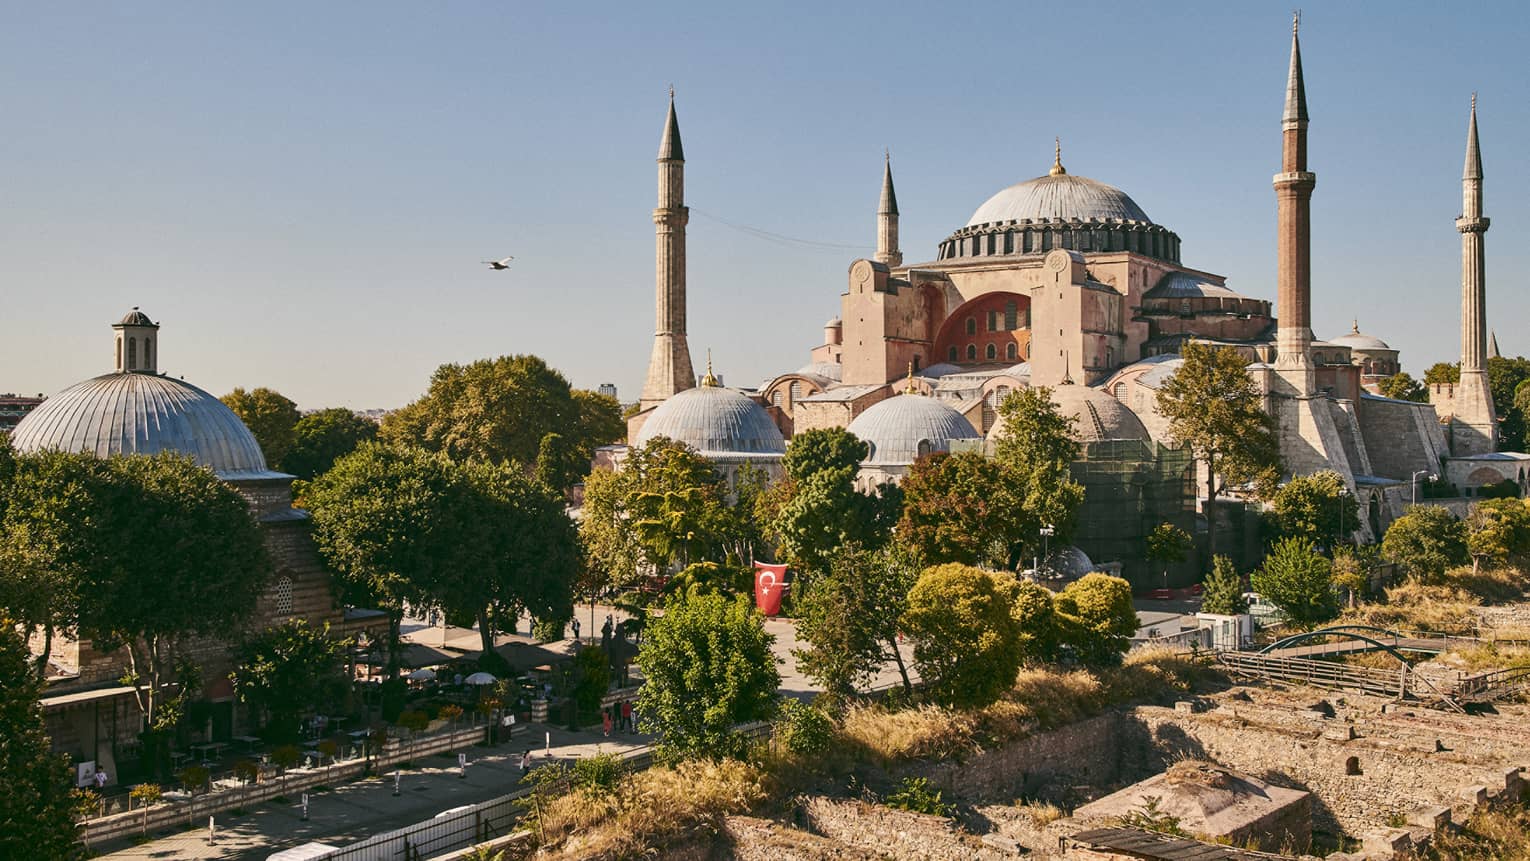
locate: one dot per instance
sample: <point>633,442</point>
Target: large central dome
<point>1059,197</point>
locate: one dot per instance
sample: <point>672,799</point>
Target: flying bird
<point>499,264</point>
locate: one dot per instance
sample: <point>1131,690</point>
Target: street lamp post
<point>1339,534</point>
<point>1046,533</point>
<point>1414,480</point>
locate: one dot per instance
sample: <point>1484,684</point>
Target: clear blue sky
<point>302,192</point>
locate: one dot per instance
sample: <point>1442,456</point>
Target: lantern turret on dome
<point>137,343</point>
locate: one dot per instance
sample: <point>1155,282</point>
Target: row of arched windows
<point>132,354</point>
<point>990,352</point>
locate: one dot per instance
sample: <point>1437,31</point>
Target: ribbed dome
<point>1357,341</point>
<point>902,428</point>
<point>1061,197</point>
<point>712,419</point>
<point>136,317</point>
<point>1099,416</point>
<point>132,413</point>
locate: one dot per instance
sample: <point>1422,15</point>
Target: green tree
<point>36,808</point>
<point>819,509</point>
<point>966,639</point>
<point>1036,447</point>
<point>847,618</point>
<point>1442,372</point>
<point>502,410</point>
<point>592,678</point>
<point>1403,387</point>
<point>521,550</point>
<point>49,537</point>
<point>964,508</point>
<point>270,416</point>
<point>181,558</point>
<point>1167,544</point>
<point>1298,580</point>
<point>1351,572</point>
<point>1318,507</point>
<point>1214,407</point>
<point>1096,619</point>
<point>707,667</point>
<point>1425,541</point>
<point>1505,376</point>
<point>1034,609</point>
<point>1223,592</point>
<point>822,449</point>
<point>291,670</point>
<point>389,522</point>
<point>1522,398</point>
<point>323,437</point>
<point>1497,530</point>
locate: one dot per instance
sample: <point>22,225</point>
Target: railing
<point>481,822</point>
<point>226,796</point>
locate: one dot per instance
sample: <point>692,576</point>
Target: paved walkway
<point>356,810</point>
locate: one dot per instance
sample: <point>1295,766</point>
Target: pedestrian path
<point>352,811</point>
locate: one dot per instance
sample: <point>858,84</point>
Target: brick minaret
<point>887,220</point>
<point>1293,190</point>
<point>669,368</point>
<point>1474,427</point>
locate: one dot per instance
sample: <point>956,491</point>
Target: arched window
<point>796,392</point>
<point>992,352</point>
<point>951,353</point>
<point>1118,391</point>
<point>925,447</point>
<point>972,325</point>
<point>1011,352</point>
<point>1011,316</point>
<point>972,352</point>
<point>148,352</point>
<point>284,595</point>
<point>119,354</point>
<point>775,397</point>
<point>132,364</point>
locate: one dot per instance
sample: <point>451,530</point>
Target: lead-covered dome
<point>1060,197</point>
<point>714,420</point>
<point>142,413</point>
<point>1097,416</point>
<point>901,429</point>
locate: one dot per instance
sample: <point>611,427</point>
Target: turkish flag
<point>769,584</point>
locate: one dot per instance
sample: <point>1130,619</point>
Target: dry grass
<point>1041,699</point>
<point>652,810</point>
<point>1490,835</point>
<point>1490,585</point>
<point>1487,657</point>
<point>1041,814</point>
<point>1414,606</point>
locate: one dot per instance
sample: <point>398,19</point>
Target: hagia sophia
<point>1065,282</point>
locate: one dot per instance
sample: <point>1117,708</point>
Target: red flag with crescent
<point>769,584</point>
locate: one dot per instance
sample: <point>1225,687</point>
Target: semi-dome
<point>142,413</point>
<point>901,429</point>
<point>1059,197</point>
<point>1098,416</point>
<point>714,420</point>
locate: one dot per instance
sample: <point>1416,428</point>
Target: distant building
<point>608,389</point>
<point>13,408</point>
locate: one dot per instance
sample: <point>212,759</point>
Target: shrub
<point>917,795</point>
<point>592,671</point>
<point>194,778</point>
<point>414,721</point>
<point>1224,589</point>
<point>966,640</point>
<point>286,756</point>
<point>146,793</point>
<point>1096,619</point>
<point>247,770</point>
<point>451,711</point>
<point>392,695</point>
<point>1425,541</point>
<point>1298,580</point>
<point>599,774</point>
<point>803,729</point>
<point>547,630</point>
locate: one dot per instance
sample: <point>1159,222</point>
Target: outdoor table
<point>209,750</point>
<point>178,758</point>
<point>249,741</point>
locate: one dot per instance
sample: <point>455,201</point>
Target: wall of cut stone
<point>895,833</point>
<point>1044,766</point>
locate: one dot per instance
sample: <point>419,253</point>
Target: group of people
<point>619,715</point>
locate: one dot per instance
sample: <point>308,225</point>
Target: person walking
<point>576,630</point>
<point>626,715</point>
<point>605,722</point>
<point>526,762</point>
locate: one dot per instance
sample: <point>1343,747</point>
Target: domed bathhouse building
<point>136,410</point>
<point>1068,282</point>
<point>724,426</point>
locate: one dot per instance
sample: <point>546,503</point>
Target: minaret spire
<point>887,218</point>
<point>1057,168</point>
<point>1475,422</point>
<point>1293,193</point>
<point>669,367</point>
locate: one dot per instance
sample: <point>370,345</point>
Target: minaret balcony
<point>1467,224</point>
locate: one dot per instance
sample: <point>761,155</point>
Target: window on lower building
<point>1011,351</point>
<point>951,353</point>
<point>972,325</point>
<point>972,352</point>
<point>1011,316</point>
<point>284,595</point>
<point>992,351</point>
<point>796,393</point>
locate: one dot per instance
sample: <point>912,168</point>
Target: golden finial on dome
<point>709,380</point>
<point>1057,168</point>
<point>911,389</point>
<point>1354,327</point>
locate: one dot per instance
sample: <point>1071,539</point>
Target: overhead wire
<point>780,238</point>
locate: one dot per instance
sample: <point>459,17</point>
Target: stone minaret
<point>669,368</point>
<point>1293,190</point>
<point>887,219</point>
<point>137,341</point>
<point>1474,427</point>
